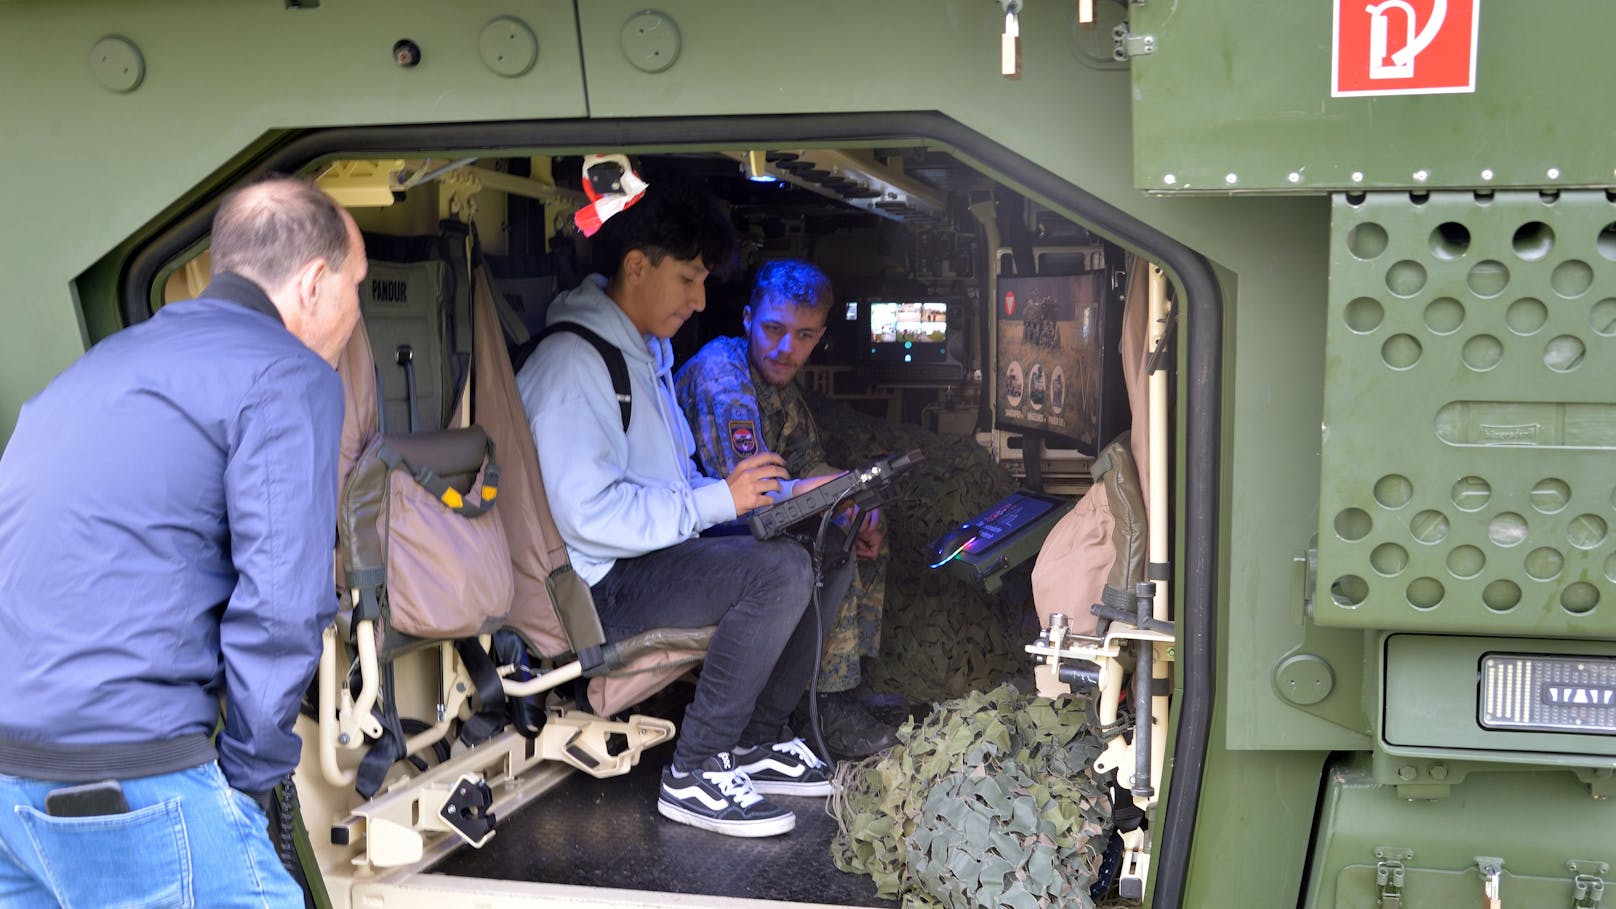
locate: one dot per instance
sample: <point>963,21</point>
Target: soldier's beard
<point>776,373</point>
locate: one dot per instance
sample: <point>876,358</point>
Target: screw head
<point>406,53</point>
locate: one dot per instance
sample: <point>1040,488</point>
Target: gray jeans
<point>763,654</point>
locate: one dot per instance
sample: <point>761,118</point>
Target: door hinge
<point>1125,44</point>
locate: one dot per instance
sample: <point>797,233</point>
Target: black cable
<point>285,795</point>
<point>817,552</point>
<point>284,813</point>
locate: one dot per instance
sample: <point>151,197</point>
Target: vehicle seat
<point>554,611</point>
<point>423,306</point>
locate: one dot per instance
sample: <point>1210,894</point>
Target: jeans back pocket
<point>137,860</point>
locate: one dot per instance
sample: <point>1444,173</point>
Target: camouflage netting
<point>987,803</point>
<point>940,636</point>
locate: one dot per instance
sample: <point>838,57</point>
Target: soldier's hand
<point>753,478</point>
<point>868,542</point>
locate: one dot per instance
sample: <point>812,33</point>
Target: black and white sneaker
<point>720,798</point>
<point>785,768</point>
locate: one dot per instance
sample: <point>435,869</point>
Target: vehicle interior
<point>518,745</point>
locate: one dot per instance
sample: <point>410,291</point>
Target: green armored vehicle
<point>1357,655</point>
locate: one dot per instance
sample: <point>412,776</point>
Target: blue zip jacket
<point>166,542</point>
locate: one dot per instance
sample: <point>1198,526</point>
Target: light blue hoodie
<point>614,495</point>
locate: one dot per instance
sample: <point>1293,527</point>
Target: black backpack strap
<point>616,366</point>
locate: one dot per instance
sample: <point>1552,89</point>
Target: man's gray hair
<point>269,229</point>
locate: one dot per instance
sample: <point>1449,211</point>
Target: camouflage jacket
<point>734,414</point>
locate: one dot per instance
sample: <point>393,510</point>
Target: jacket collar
<point>242,291</point>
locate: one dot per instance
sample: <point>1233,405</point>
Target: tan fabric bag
<point>419,534</point>
<point>1078,554</point>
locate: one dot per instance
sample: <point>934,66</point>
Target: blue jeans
<point>187,840</point>
<point>762,656</point>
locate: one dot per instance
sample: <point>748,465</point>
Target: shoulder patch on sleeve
<point>743,437</point>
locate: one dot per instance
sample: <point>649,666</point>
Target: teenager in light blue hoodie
<point>631,503</point>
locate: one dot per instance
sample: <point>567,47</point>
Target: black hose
<point>818,554</point>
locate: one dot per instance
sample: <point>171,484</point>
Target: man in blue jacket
<point>630,503</point>
<point>165,549</point>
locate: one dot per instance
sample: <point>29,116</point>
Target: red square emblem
<point>1404,47</point>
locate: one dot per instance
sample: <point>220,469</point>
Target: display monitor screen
<point>1049,357</point>
<point>908,331</point>
<point>905,323</point>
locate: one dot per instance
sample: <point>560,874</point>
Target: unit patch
<point>743,437</point>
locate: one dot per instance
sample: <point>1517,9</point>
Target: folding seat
<point>553,610</point>
<point>422,558</point>
<point>430,368</point>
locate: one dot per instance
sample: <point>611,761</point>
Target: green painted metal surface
<point>89,171</point>
<point>84,167</point>
<point>1065,114</point>
<point>1245,89</point>
<point>1356,888</point>
<point>1323,674</point>
<point>1537,822</point>
<point>1241,855</point>
<point>1467,433</point>
<point>1432,699</point>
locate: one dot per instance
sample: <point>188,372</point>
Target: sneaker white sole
<point>787,787</point>
<point>773,826</point>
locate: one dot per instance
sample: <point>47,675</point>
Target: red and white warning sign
<point>1404,47</point>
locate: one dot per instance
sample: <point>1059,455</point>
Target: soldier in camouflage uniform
<point>741,397</point>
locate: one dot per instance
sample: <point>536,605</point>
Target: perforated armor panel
<point>1469,439</point>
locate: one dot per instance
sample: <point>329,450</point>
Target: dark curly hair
<point>673,218</point>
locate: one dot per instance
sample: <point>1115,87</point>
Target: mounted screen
<point>908,340</point>
<point>1051,340</point>
<point>906,330</point>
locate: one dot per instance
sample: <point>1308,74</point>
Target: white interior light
<point>1548,693</point>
